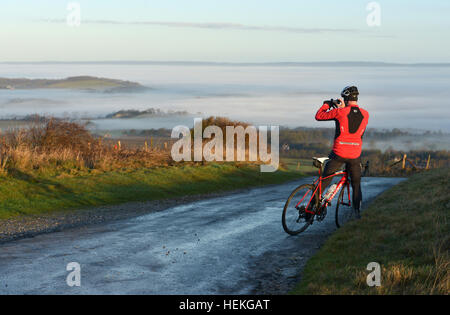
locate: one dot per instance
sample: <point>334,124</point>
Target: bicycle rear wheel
<point>344,211</point>
<point>295,219</point>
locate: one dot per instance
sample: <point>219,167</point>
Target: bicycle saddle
<point>318,162</point>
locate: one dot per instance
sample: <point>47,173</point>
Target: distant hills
<point>151,112</point>
<point>206,63</point>
<point>87,83</point>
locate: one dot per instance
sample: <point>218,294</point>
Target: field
<point>406,230</point>
<point>302,165</point>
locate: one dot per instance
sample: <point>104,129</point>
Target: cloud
<point>216,26</point>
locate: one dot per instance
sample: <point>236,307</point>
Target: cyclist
<point>351,122</point>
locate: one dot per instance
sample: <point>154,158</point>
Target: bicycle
<point>308,203</point>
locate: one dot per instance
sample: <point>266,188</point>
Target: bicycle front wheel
<point>295,219</point>
<point>344,211</point>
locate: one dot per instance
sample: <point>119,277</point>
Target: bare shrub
<point>63,145</point>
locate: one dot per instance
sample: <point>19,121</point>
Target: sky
<point>409,31</point>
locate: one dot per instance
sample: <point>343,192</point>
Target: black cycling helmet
<point>350,93</point>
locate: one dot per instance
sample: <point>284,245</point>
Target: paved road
<point>228,245</point>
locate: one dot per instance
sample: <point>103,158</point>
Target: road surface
<point>228,245</point>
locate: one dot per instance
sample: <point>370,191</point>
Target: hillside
<point>151,112</point>
<point>78,82</point>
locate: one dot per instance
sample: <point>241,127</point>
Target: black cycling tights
<point>353,167</point>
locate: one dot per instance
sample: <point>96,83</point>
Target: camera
<point>333,103</point>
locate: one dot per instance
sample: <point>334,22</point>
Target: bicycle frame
<point>318,184</point>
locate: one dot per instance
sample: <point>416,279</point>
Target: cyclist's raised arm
<point>324,114</point>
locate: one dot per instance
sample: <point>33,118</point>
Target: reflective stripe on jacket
<point>351,122</point>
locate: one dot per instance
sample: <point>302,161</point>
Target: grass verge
<point>405,230</point>
<point>37,193</point>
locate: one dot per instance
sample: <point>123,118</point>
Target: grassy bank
<point>37,193</point>
<point>406,230</point>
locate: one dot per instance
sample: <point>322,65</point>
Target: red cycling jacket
<point>351,122</point>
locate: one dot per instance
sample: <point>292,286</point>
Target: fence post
<point>428,162</point>
<point>404,161</point>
